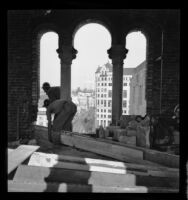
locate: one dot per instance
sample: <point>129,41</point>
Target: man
<point>52,92</point>
<point>64,113</point>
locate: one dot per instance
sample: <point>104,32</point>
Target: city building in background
<point>133,88</point>
<point>137,88</point>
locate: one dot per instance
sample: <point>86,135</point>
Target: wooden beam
<point>17,186</point>
<point>77,140</point>
<point>48,160</point>
<point>159,157</point>
<point>107,163</point>
<point>44,174</point>
<point>19,155</point>
<point>121,153</point>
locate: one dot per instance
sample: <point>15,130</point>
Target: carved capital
<point>67,54</point>
<point>117,53</point>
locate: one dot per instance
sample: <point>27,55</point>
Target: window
<point>101,101</point>
<point>109,110</point>
<point>104,116</point>
<point>101,95</point>
<point>124,93</point>
<point>109,103</point>
<point>101,116</point>
<point>110,84</point>
<point>124,103</point>
<point>102,84</point>
<point>104,110</point>
<point>110,93</point>
<point>98,102</point>
<point>101,110</point>
<point>124,84</point>
<point>104,102</point>
<point>109,116</point>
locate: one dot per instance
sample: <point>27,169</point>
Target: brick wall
<point>171,66</point>
<point>19,75</point>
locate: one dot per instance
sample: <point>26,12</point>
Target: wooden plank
<point>159,157</point>
<point>19,155</point>
<point>45,174</point>
<point>17,186</point>
<point>107,163</point>
<point>77,141</point>
<point>168,157</point>
<point>162,158</point>
<point>46,160</point>
<point>113,151</point>
<point>42,161</point>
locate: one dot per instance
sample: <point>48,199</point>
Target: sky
<point>92,42</point>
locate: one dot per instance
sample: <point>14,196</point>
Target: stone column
<point>66,54</point>
<point>117,53</point>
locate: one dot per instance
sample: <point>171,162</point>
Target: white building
<point>103,94</point>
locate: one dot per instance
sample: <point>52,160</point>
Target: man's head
<point>46,87</point>
<point>46,103</point>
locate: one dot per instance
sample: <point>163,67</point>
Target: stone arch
<point>138,82</point>
<point>37,34</point>
<point>152,31</point>
<point>84,21</point>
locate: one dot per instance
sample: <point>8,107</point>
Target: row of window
<point>104,78</point>
<point>104,116</point>
<point>110,78</point>
<point>104,84</point>
<point>105,102</point>
<point>103,123</point>
<point>124,103</point>
<point>105,110</point>
<point>109,84</point>
<point>110,94</point>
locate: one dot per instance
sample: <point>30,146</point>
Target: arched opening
<point>49,70</point>
<point>134,77</point>
<point>89,74</point>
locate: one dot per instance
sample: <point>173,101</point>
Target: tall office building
<point>103,94</point>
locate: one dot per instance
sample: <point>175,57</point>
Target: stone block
<point>128,139</point>
<point>118,133</point>
<point>131,132</point>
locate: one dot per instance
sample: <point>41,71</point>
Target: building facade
<point>103,94</point>
<point>137,99</point>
